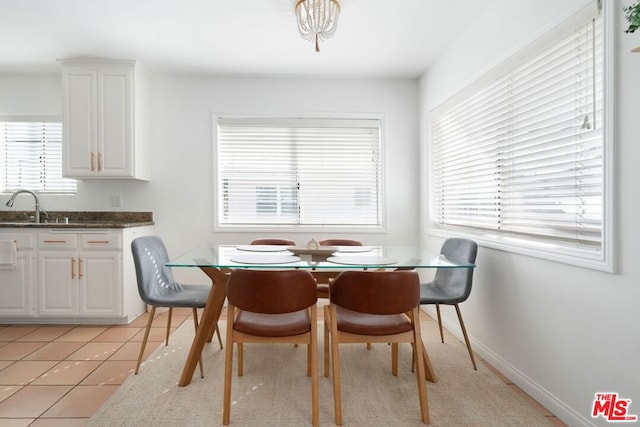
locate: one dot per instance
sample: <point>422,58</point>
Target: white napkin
<point>8,254</point>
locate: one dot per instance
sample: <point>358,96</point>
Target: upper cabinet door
<point>105,119</point>
<point>80,133</point>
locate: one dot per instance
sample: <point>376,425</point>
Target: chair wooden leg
<point>335,359</point>
<point>440,323</point>
<point>219,336</point>
<point>240,359</point>
<point>466,337</point>
<point>326,342</point>
<point>394,359</point>
<point>420,374</point>
<point>228,367</point>
<point>166,341</point>
<point>313,350</point>
<point>146,336</point>
<point>195,324</point>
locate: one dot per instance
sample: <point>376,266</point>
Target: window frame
<point>605,259</point>
<point>380,228</point>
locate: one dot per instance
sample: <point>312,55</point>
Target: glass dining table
<point>217,262</point>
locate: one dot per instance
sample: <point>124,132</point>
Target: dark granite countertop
<point>87,219</point>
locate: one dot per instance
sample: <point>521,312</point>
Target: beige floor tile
<point>95,351</point>
<point>82,333</point>
<point>16,350</point>
<point>68,372</point>
<point>16,422</point>
<point>82,401</point>
<point>55,350</point>
<point>156,334</point>
<point>111,372</point>
<point>140,322</point>
<point>117,334</point>
<point>8,390</point>
<point>130,350</point>
<point>23,372</point>
<point>12,333</point>
<point>5,363</point>
<point>60,422</point>
<point>46,333</point>
<point>31,401</point>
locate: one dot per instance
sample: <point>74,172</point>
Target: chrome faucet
<point>35,196</point>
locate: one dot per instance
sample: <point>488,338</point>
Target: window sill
<point>543,250</point>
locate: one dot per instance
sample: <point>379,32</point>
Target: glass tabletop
<point>236,256</point>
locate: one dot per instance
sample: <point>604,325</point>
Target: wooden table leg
<point>429,373</point>
<point>210,316</point>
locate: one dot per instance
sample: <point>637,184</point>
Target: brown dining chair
<point>340,242</point>
<point>324,277</point>
<point>374,306</point>
<point>273,241</point>
<point>277,306</point>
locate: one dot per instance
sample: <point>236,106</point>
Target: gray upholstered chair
<point>451,286</point>
<point>275,306</point>
<point>158,288</point>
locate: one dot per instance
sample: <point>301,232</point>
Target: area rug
<point>275,390</point>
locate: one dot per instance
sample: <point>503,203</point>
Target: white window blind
<point>31,157</point>
<point>522,155</point>
<point>293,171</point>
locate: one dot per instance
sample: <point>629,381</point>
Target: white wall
<point>180,191</point>
<point>562,333</point>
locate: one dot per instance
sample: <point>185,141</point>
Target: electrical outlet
<point>115,201</point>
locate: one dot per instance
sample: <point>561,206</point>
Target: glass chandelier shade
<point>317,19</point>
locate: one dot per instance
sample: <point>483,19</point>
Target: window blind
<point>298,171</point>
<point>523,154</point>
<point>31,157</point>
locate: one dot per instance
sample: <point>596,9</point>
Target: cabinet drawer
<point>100,241</point>
<point>23,241</point>
<point>57,241</point>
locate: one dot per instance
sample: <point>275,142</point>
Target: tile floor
<point>59,375</point>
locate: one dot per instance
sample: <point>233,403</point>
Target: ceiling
<point>375,38</point>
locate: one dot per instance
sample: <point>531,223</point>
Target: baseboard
<point>547,399</point>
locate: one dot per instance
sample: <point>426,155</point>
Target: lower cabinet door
<point>100,284</point>
<point>58,282</point>
<point>16,288</point>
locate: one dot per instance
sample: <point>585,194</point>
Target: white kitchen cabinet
<point>71,276</point>
<point>105,119</point>
<point>79,274</point>
<point>16,284</point>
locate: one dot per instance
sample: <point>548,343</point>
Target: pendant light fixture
<point>317,19</point>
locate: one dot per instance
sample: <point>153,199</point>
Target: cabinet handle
<point>99,161</point>
<point>98,241</point>
<point>93,156</point>
<point>55,241</point>
<point>80,268</point>
<point>73,268</point>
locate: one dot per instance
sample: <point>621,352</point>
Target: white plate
<point>321,250</point>
<point>354,249</point>
<point>362,260</point>
<point>258,259</point>
<point>262,248</point>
